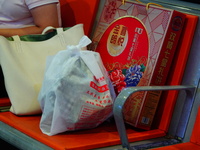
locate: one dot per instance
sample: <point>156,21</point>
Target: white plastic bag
<point>76,92</point>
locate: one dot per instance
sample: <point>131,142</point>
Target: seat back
<point>79,11</point>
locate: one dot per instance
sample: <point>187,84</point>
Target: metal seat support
<point>122,97</point>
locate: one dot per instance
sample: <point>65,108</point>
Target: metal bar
<point>186,112</point>
<point>122,97</point>
<point>19,139</point>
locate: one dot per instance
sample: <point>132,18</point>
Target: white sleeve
<point>35,3</point>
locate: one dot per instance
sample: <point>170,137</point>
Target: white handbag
<point>23,61</point>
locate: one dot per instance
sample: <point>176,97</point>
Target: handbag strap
<point>17,42</point>
<point>48,29</point>
<point>38,37</point>
<point>59,30</point>
<point>16,38</point>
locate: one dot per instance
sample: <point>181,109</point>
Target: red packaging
<point>137,45</point>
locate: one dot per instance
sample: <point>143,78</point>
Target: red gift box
<point>137,45</point>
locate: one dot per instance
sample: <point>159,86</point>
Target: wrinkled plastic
<point>76,92</point>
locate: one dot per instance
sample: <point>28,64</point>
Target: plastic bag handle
<point>89,58</point>
<point>91,61</point>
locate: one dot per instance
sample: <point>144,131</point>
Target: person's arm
<point>45,15</point>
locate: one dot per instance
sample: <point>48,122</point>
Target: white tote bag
<point>23,62</point>
<point>76,92</point>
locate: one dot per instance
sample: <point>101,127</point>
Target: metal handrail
<point>123,96</point>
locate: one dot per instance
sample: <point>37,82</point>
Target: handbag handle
<point>59,30</point>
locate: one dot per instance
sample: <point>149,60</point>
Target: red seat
<point>74,12</point>
<point>102,136</point>
<point>79,11</point>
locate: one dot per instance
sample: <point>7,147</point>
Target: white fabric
<point>76,92</point>
<point>23,65</point>
<point>16,13</point>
